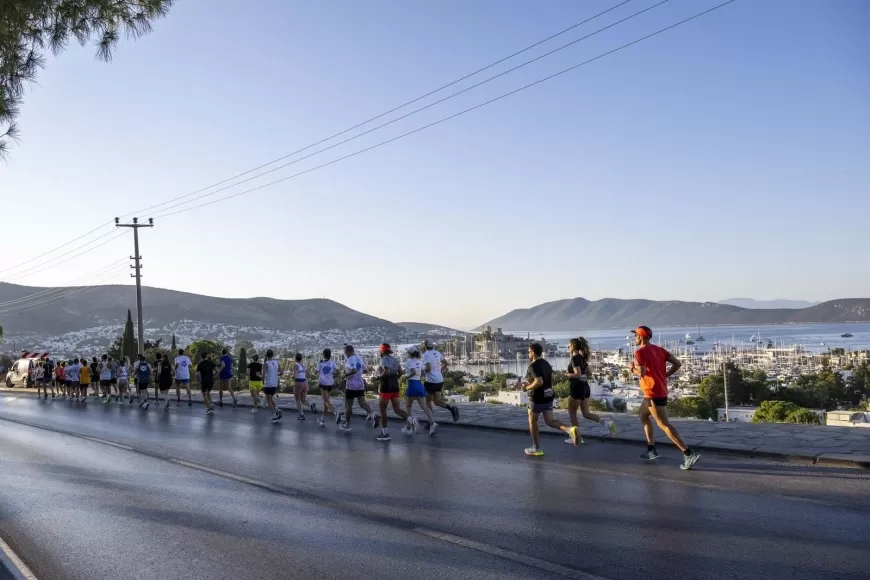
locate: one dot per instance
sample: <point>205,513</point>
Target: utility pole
<point>725,384</point>
<point>138,275</point>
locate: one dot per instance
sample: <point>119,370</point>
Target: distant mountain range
<point>66,310</point>
<point>581,314</point>
<point>754,304</point>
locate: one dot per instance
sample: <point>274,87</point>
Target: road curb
<point>13,567</point>
<point>748,451</point>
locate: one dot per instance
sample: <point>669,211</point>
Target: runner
<point>124,380</point>
<point>300,387</point>
<point>578,373</point>
<point>435,365</point>
<point>182,376</point>
<point>95,375</point>
<point>205,378</point>
<point>354,388</point>
<point>39,378</point>
<point>416,392</point>
<point>650,364</point>
<point>59,377</point>
<point>143,377</point>
<point>326,382</point>
<point>84,380</point>
<point>255,381</point>
<point>541,395</point>
<point>164,380</point>
<point>74,377</point>
<point>389,371</point>
<point>113,380</point>
<point>225,379</point>
<point>270,385</point>
<point>50,375</point>
<point>105,372</point>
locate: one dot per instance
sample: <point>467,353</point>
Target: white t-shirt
<point>414,369</point>
<point>122,371</point>
<point>75,372</point>
<point>355,381</point>
<point>434,358</point>
<point>270,376</point>
<point>326,373</point>
<point>182,368</point>
<point>301,375</point>
<point>105,371</point>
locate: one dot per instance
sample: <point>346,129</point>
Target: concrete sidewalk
<point>817,444</point>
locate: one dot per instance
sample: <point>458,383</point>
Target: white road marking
<point>509,555</point>
<point>228,475</point>
<point>23,570</point>
<point>110,443</point>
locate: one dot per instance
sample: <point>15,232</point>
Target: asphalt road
<point>180,495</point>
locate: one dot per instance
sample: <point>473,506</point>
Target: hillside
<point>756,304</point>
<point>105,305</point>
<point>425,327</point>
<point>579,313</point>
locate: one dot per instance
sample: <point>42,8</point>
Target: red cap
<point>643,332</point>
<point>385,348</point>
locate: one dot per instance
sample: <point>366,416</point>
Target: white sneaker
<point>344,427</point>
<point>255,410</point>
<point>407,430</point>
<point>433,428</point>
<point>611,426</point>
<point>321,422</point>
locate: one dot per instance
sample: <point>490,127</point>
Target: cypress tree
<point>128,342</point>
<point>174,348</point>
<point>243,364</point>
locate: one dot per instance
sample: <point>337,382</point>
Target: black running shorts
<point>580,390</point>
<point>432,388</point>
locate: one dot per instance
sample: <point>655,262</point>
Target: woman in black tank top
<point>578,376</point>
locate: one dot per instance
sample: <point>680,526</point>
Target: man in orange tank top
<point>651,365</point>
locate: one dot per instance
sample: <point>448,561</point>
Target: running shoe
<point>321,422</point>
<point>275,418</point>
<point>344,427</point>
<point>235,403</point>
<point>689,461</point>
<point>146,405</point>
<point>415,425</point>
<point>313,407</point>
<point>454,410</point>
<point>209,411</point>
<point>650,455</point>
<point>166,406</point>
<point>339,417</point>
<point>407,430</point>
<point>221,404</point>
<point>189,403</point>
<point>178,400</point>
<point>384,437</point>
<point>570,441</point>
<point>279,412</point>
<point>255,410</point>
<point>300,418</point>
<point>433,427</point>
<point>376,421</point>
<point>611,426</point>
<point>534,451</point>
<point>574,433</point>
<point>371,417</point>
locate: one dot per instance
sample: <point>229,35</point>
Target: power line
<point>442,120</point>
<point>56,248</point>
<point>384,114</point>
<point>65,286</point>
<point>72,257</point>
<point>415,111</point>
<point>23,308</point>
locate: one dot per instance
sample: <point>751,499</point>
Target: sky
<point>726,157</point>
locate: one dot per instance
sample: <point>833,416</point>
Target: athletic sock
<point>650,448</point>
<point>384,430</point>
<point>687,452</point>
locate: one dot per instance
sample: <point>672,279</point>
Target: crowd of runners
<point>125,380</point>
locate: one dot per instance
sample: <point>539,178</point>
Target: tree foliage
<point>129,344</point>
<point>784,412</point>
<point>697,407</point>
<point>619,405</point>
<point>242,366</point>
<point>196,349</point>
<point>29,28</point>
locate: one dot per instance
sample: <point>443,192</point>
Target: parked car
<point>19,373</point>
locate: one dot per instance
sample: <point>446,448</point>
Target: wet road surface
<point>181,495</point>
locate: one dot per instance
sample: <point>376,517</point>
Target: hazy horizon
<point>726,157</point>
